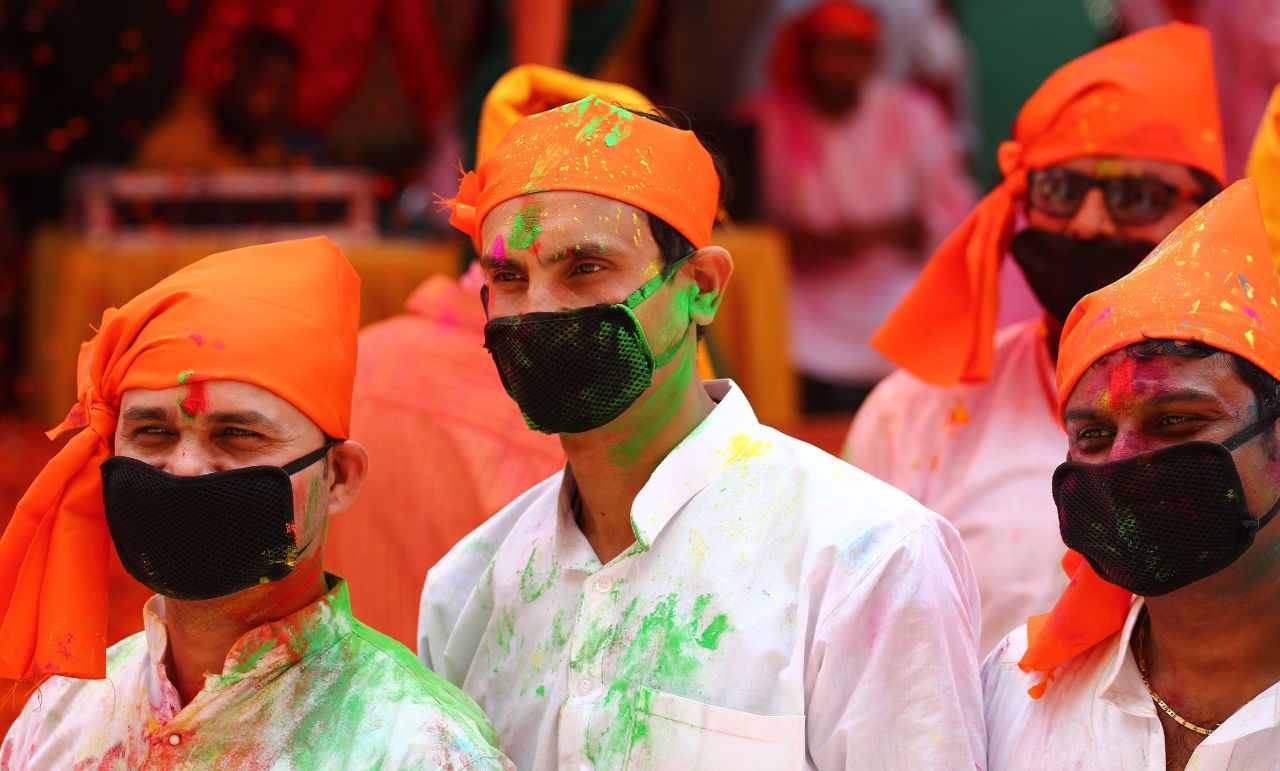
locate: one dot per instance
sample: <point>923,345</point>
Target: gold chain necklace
<point>1142,670</point>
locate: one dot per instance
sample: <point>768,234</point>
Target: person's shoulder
<point>842,497</point>
<point>473,552</point>
<point>89,700</point>
<point>426,708</point>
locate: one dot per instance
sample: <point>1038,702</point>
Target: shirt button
<point>603,585</point>
<point>175,740</point>
<point>584,686</point>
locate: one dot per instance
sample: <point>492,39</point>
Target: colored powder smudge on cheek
<point>527,226</point>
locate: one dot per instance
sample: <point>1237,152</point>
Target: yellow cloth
<point>1264,167</point>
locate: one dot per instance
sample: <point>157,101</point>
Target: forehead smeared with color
<point>544,224</point>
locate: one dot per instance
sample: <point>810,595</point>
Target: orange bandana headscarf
<point>1264,167</point>
<point>1150,95</point>
<point>533,88</point>
<point>1211,280</point>
<point>281,316</point>
<point>592,146</point>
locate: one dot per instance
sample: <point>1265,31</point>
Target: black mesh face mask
<point>1061,270</point>
<point>199,537</point>
<point>1160,520</point>
<point>579,369</point>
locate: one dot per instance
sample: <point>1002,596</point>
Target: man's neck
<point>202,632</point>
<point>611,464</point>
<point>1211,655</point>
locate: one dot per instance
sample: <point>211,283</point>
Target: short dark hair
<point>672,244</point>
<point>1265,388</point>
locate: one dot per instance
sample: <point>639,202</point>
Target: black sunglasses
<point>1130,200</point>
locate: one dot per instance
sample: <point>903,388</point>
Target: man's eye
<point>587,267</point>
<point>151,431</point>
<point>237,433</point>
<point>505,276</point>
<point>1090,435</point>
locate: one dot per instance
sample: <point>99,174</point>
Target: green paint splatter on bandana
<point>185,375</point>
<point>531,587</point>
<point>526,227</point>
<point>664,653</point>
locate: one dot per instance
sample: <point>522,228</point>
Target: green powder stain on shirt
<point>663,654</point>
<point>541,690</point>
<point>526,226</point>
<point>532,587</point>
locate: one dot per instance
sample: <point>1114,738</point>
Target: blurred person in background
<point>242,124</point>
<point>1111,152</point>
<point>865,176</point>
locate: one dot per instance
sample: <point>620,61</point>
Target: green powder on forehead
<point>526,227</point>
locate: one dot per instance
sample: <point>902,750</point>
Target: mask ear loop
<point>311,457</point>
<point>644,292</point>
<point>1238,439</point>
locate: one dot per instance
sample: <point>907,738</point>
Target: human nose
<point>1127,444</point>
<point>1092,219</point>
<point>188,460</point>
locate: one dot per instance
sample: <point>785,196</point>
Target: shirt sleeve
<point>893,680</point>
<point>450,621</point>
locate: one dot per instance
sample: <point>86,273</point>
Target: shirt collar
<point>268,648</point>
<point>1123,687</point>
<point>721,439</point>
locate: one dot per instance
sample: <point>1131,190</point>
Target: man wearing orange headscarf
<point>693,590</point>
<point>1162,651</point>
<point>213,417</point>
<point>451,448</point>
<point>1107,156</point>
<point>1264,168</point>
<point>865,176</point>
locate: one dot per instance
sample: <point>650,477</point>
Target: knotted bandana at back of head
<point>281,316</point>
<point>1211,280</point>
<point>1150,95</point>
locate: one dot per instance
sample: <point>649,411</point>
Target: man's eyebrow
<point>605,245</point>
<point>1082,415</point>
<point>249,418</point>
<point>489,262</point>
<point>143,414</point>
<point>1188,395</point>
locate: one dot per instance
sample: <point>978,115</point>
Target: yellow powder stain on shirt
<point>698,546</point>
<point>959,416</point>
<point>742,447</point>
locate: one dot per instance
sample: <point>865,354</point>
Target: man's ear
<point>348,464</point>
<point>710,268</point>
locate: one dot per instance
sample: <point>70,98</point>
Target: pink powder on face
<point>499,249</point>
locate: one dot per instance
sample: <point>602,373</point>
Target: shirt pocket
<point>687,734</point>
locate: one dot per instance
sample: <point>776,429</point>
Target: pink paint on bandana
<point>1251,313</point>
<point>220,345</point>
<point>196,338</point>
